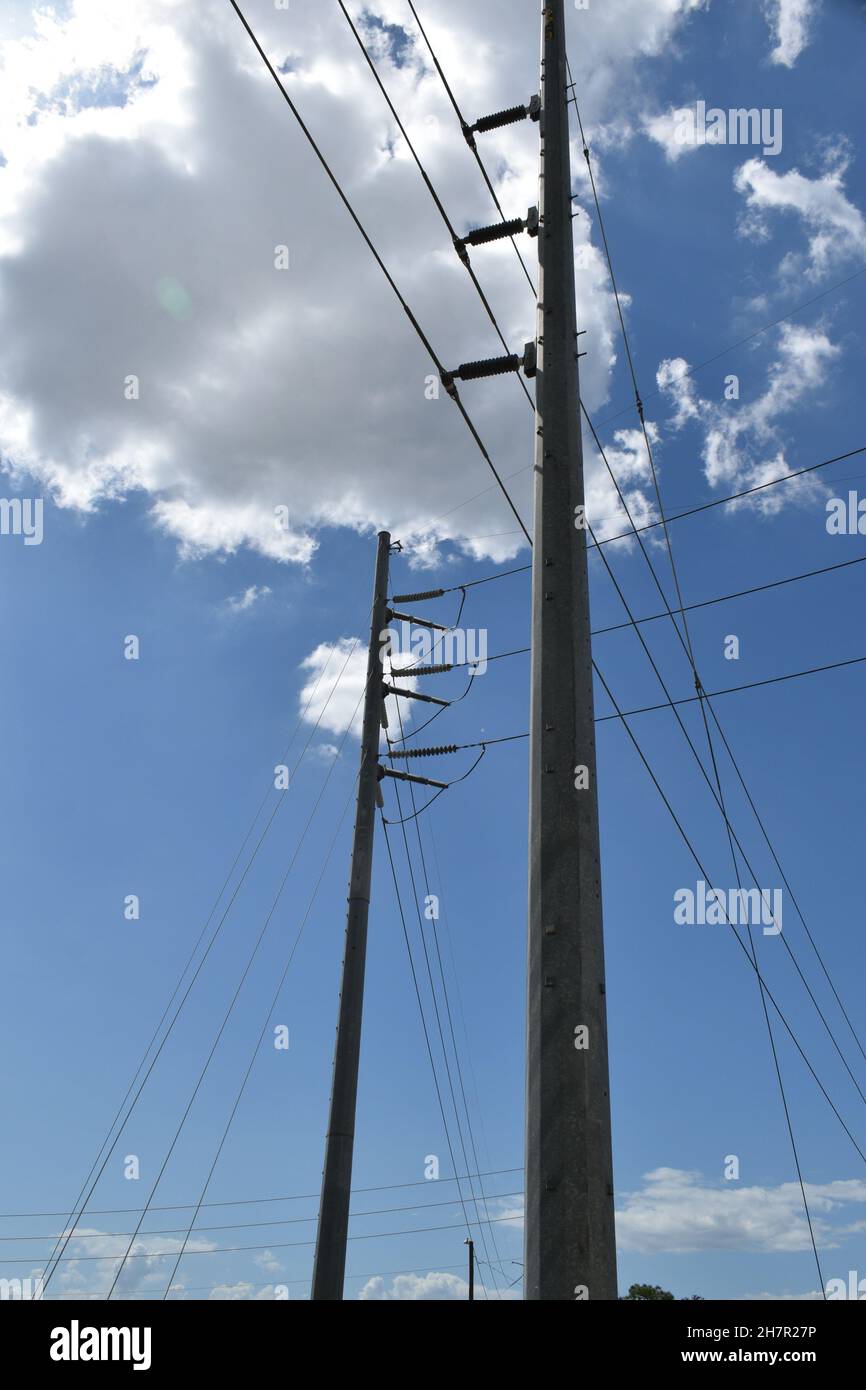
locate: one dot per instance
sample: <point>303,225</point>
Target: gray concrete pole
<point>569,1233</point>
<point>330,1261</point>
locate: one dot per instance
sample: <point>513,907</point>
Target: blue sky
<point>307,390</point>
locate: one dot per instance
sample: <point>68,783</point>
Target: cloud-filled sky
<point>208,380</point>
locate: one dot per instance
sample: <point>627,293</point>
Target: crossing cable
<point>699,688</point>
<point>201,936</point>
<point>740,593</point>
<point>382,266</point>
<point>456,977</point>
<point>285,1244</point>
<point>426,1032</point>
<point>807,303</point>
<point>736,689</point>
<point>213,1288</point>
<point>438,1016</point>
<point>433,194</point>
<point>718,796</point>
<point>704,698</point>
<point>271,1245</point>
<point>623,717</point>
<point>255,1051</point>
<point>230,1010</point>
<point>675,516</point>
<point>80,1206</point>
<point>254,1225</point>
<point>651,617</point>
<point>449,1014</point>
<point>246,1201</point>
<point>703,701</point>
<point>465,126</point>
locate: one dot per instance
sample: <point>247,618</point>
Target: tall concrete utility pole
<point>569,1241</point>
<point>330,1261</point>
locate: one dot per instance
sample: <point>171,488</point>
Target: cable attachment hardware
<point>428,670</point>
<point>394,617</point>
<point>414,695</point>
<point>480,236</point>
<point>492,366</point>
<point>410,777</point>
<point>501,118</point>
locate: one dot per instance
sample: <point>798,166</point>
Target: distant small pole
<point>471,1244</point>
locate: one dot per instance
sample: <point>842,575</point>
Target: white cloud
<point>268,1261</point>
<point>152,136</point>
<point>836,228</point>
<point>242,603</point>
<point>743,440</point>
<point>679,1212</point>
<point>81,1274</point>
<point>333,689</point>
<point>675,130</point>
<point>416,1288</point>
<point>790,24</point>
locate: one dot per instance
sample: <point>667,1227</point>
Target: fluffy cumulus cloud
<point>743,441</point>
<point>416,1288</point>
<point>243,602</point>
<point>92,1258</point>
<point>680,1212</point>
<point>332,692</point>
<point>835,227</point>
<point>790,25</point>
<point>154,345</point>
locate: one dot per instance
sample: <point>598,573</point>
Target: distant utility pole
<point>330,1261</point>
<point>471,1244</point>
<point>569,1240</point>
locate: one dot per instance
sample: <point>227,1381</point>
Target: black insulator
<point>424,752</point>
<point>491,366</point>
<point>500,118</point>
<point>496,232</point>
<point>416,598</point>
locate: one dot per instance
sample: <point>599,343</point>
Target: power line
<point>465,127</point>
<point>425,1030</point>
<point>735,689</point>
<point>79,1208</point>
<point>623,717</point>
<point>252,1225</point>
<point>726,598</point>
<point>255,1201</point>
<point>449,1016</point>
<point>230,1010</point>
<point>241,1249</point>
<point>434,195</point>
<point>379,261</point>
<point>807,303</point>
<point>734,497</point>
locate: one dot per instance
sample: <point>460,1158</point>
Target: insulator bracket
<point>502,118</point>
<point>410,777</point>
<point>394,617</point>
<point>492,366</point>
<point>415,695</point>
<point>497,231</point>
